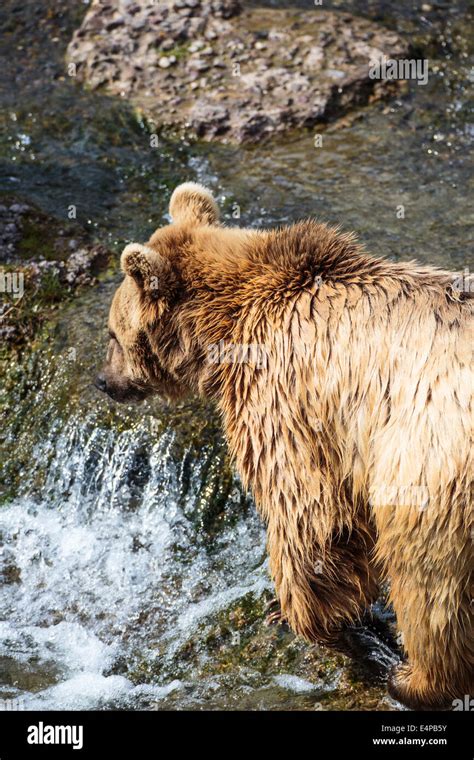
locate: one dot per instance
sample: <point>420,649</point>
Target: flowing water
<point>132,566</point>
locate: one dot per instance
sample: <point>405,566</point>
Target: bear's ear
<point>192,203</point>
<point>146,267</point>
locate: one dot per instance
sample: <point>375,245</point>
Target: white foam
<point>110,574</point>
<point>82,692</point>
<point>295,684</point>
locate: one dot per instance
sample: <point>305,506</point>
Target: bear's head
<point>146,344</point>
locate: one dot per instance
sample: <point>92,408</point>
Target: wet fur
<point>366,391</point>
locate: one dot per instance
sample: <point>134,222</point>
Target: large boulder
<point>221,72</point>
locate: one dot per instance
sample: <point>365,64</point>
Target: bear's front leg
<point>321,588</point>
<point>319,534</point>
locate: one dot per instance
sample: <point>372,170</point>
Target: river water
<point>132,566</point>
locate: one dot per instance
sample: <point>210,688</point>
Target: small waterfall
<point>106,564</point>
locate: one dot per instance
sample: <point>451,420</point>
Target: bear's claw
<point>274,614</point>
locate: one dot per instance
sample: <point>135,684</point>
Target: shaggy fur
<point>355,432</point>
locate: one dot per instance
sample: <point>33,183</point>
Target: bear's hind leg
<point>431,595</point>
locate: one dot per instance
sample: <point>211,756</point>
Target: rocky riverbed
<point>222,72</point>
<point>43,261</point>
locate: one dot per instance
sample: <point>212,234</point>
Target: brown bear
<point>344,383</point>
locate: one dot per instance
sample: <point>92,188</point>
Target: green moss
<point>180,51</point>
<point>37,239</point>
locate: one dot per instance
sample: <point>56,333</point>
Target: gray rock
<point>284,61</point>
<point>167,44</point>
<point>208,119</point>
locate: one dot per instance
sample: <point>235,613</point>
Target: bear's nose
<point>101,382</point>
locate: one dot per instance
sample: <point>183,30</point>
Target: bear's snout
<point>119,389</point>
<point>101,383</point>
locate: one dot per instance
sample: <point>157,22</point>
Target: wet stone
<point>40,255</point>
<point>246,43</point>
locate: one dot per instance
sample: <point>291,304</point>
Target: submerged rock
<point>230,74</point>
<point>42,261</point>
